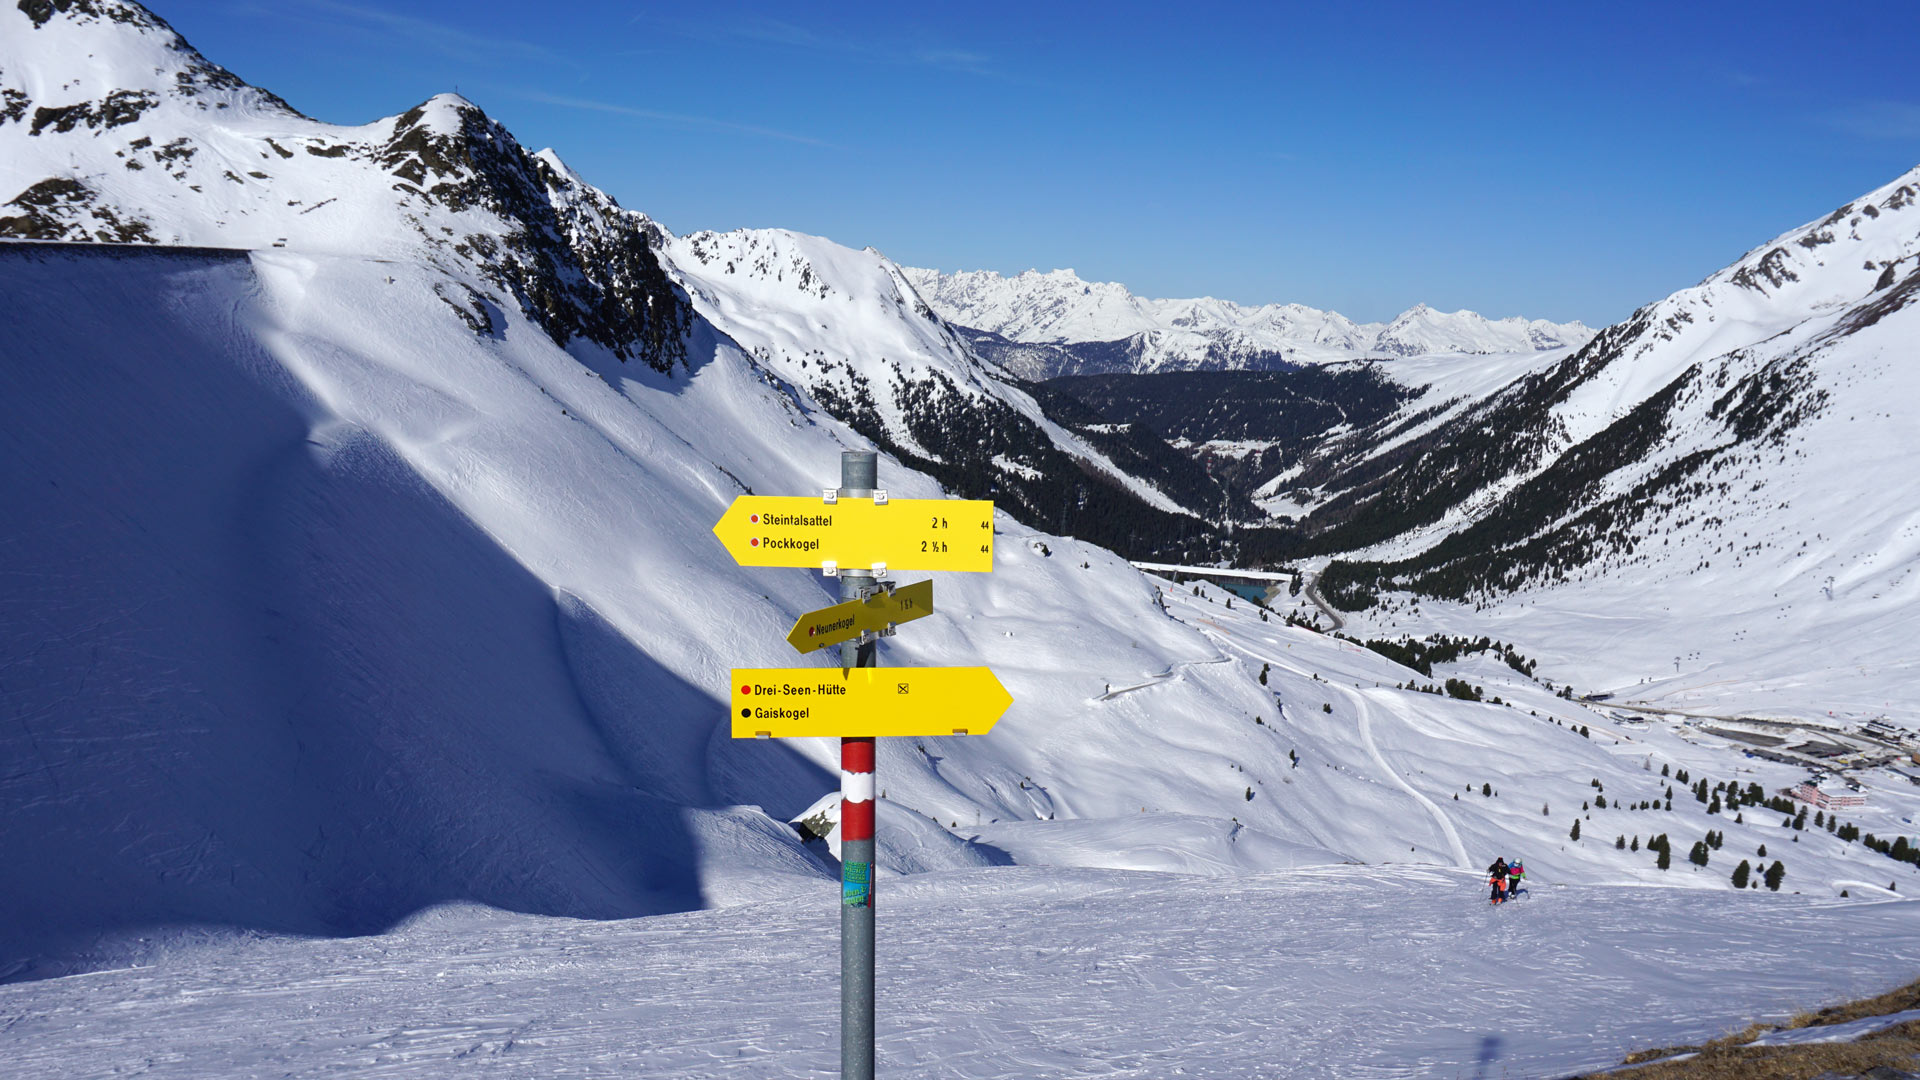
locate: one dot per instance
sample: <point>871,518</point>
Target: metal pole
<point>859,475</point>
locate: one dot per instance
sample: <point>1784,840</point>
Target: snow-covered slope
<point>1323,974</point>
<point>343,583</point>
<point>115,129</point>
<point>1725,480</point>
<point>1101,327</point>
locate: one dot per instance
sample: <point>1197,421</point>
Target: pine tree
<point>1762,852</point>
<point>1740,874</point>
<point>1819,819</point>
<point>1665,860</point>
<point>1698,854</point>
<point>1575,834</point>
<point>1620,843</point>
<point>1486,789</point>
<point>1663,770</point>
<point>1263,673</point>
<point>1714,806</point>
<point>1635,846</point>
<point>1775,873</point>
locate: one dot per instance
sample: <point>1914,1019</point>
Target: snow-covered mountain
<point>115,130</point>
<point>1741,450</point>
<point>362,567</point>
<point>1042,325</point>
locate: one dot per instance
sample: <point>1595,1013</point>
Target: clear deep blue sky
<point>1514,159</point>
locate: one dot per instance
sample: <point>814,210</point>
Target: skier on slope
<point>1516,872</point>
<point>1497,877</point>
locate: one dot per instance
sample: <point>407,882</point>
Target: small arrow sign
<point>859,534</point>
<point>786,703</point>
<point>845,622</point>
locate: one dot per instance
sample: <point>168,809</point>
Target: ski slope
<point>1008,973</point>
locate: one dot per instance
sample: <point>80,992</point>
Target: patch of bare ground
<point>1894,1051</point>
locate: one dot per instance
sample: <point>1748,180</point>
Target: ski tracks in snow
<point>1440,818</point>
<point>1364,709</point>
<point>1173,672</point>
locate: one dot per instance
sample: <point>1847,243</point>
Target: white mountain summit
<point>1104,327</point>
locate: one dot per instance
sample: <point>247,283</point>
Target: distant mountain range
<point>1041,325</point>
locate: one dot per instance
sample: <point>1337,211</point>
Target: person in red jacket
<point>1497,877</point>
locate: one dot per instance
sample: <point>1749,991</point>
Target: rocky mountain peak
<point>114,129</point>
<point>102,63</point>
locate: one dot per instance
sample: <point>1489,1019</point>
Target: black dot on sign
<point>744,713</point>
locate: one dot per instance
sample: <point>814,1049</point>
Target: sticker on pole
<point>859,534</point>
<point>856,884</point>
<point>782,703</point>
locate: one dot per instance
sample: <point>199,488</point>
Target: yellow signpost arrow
<point>844,622</point>
<point>785,703</point>
<point>876,534</point>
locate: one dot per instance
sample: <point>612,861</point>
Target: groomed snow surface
<point>1017,972</point>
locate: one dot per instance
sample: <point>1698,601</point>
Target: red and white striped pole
<point>859,476</point>
<point>856,908</point>
<point>856,805</point>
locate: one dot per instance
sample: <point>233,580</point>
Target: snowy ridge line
<point>46,247</point>
<point>1055,323</point>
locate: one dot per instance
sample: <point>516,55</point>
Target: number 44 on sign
<point>877,534</point>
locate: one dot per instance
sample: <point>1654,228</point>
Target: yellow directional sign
<point>788,702</point>
<point>859,534</point>
<point>844,622</point>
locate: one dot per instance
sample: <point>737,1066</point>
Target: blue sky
<point>1512,159</point>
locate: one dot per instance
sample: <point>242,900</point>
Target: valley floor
<point>1341,971</point>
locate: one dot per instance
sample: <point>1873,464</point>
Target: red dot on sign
<point>755,542</point>
<point>812,630</point>
<point>746,689</point>
<point>755,519</point>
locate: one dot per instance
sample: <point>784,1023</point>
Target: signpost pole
<point>859,476</point>
<point>856,533</point>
